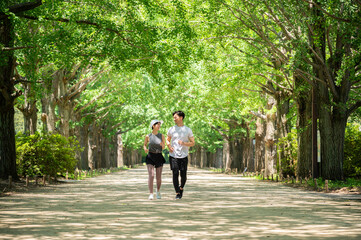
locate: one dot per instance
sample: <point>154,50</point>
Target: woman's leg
<point>150,177</point>
<point>158,171</point>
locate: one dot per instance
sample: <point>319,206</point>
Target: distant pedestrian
<point>155,142</point>
<point>179,139</point>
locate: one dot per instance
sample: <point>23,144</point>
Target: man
<point>179,139</point>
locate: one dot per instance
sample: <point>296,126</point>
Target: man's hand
<point>187,144</point>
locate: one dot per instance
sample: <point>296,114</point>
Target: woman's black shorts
<point>155,159</point>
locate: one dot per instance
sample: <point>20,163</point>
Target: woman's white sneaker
<point>151,196</point>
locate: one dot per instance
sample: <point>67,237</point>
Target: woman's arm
<point>163,142</point>
<point>169,138</point>
<point>146,140</point>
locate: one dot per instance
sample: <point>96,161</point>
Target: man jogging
<point>179,139</point>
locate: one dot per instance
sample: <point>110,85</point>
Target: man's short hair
<point>179,113</point>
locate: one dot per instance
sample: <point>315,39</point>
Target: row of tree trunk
<point>100,151</point>
<point>58,109</point>
<point>241,154</point>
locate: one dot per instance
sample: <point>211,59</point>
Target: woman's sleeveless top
<point>154,143</point>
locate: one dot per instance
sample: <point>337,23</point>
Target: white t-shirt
<point>179,133</point>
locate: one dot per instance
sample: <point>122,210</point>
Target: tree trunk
<point>7,141</point>
<point>247,150</point>
<point>127,157</point>
<point>65,112</point>
<point>203,161</point>
<point>304,118</point>
<point>92,147</point>
<point>83,141</point>
<point>105,153</point>
<point>49,103</point>
<point>211,157</point>
<point>227,156</point>
<point>197,158</point>
<point>113,151</point>
<point>120,156</point>
<point>7,112</point>
<point>270,147</point>
<point>98,143</point>
<point>29,111</point>
<point>237,153</point>
<point>260,145</point>
<point>332,133</point>
<point>219,158</point>
<point>282,126</point>
<point>30,119</point>
<point>65,105</point>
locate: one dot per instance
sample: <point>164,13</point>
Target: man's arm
<point>191,142</point>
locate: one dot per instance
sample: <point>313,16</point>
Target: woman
<point>154,158</point>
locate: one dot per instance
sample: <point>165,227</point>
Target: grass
<point>349,184</point>
<point>82,174</point>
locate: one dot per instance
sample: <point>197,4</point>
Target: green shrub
<point>352,151</point>
<point>45,154</point>
<point>289,146</point>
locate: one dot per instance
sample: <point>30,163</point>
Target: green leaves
<point>352,163</point>
<point>45,154</point>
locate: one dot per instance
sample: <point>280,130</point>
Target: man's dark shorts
<point>178,163</point>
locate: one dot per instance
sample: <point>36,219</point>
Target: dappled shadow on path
<point>215,206</point>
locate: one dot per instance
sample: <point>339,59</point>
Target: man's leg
<point>176,180</point>
<point>175,171</point>
<point>183,174</point>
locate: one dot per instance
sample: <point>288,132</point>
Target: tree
<point>8,91</point>
<point>312,40</point>
<point>129,34</point>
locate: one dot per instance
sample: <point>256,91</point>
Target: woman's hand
<point>171,149</point>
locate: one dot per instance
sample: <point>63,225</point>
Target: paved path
<point>215,206</point>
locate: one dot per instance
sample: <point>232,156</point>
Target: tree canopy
<point>120,64</point>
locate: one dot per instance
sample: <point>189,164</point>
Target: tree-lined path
<point>215,206</point>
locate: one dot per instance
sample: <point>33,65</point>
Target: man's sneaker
<point>181,192</point>
<point>178,196</point>
<point>158,195</point>
<point>151,196</point>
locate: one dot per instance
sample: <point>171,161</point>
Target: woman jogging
<point>154,159</point>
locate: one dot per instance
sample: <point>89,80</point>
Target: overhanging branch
<point>13,48</point>
<point>22,7</point>
<point>86,22</point>
<point>353,108</point>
